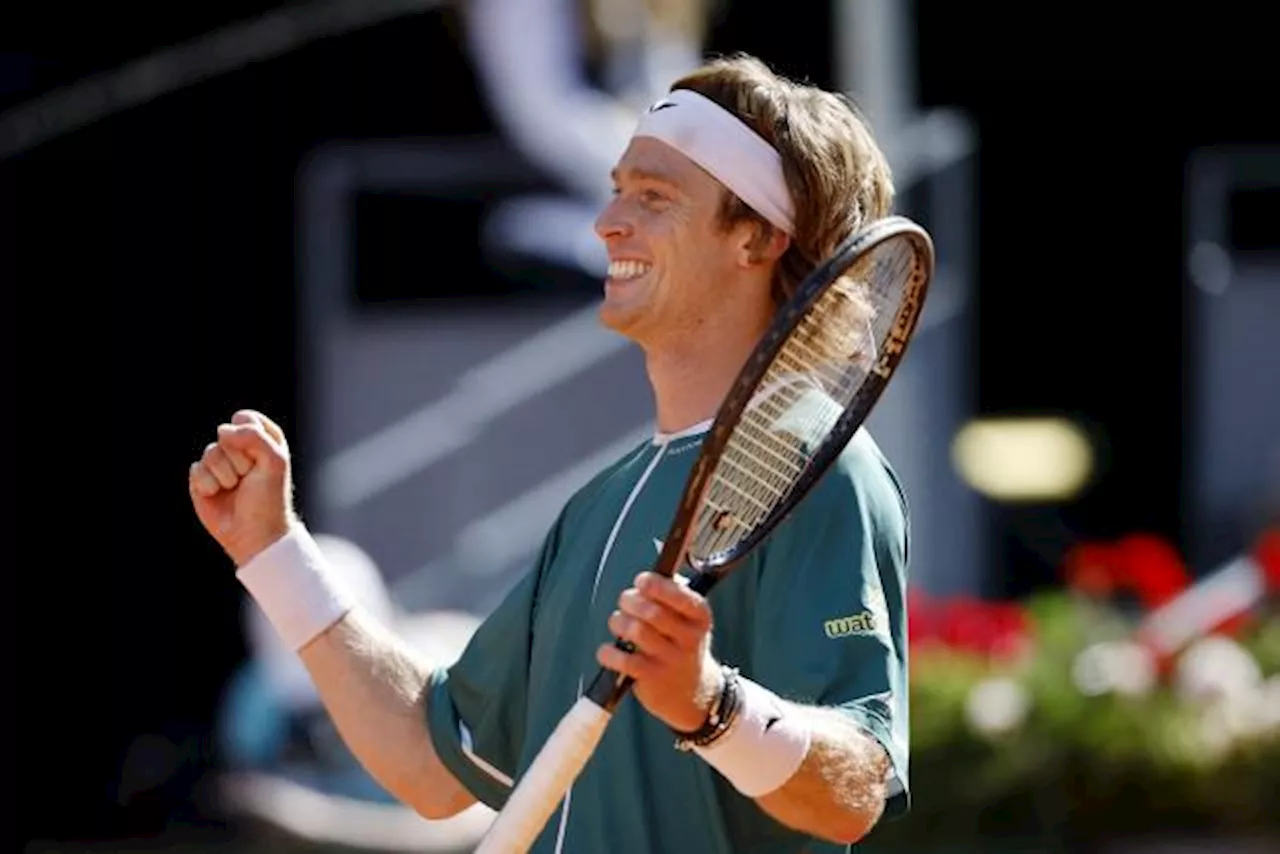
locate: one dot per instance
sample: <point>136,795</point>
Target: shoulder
<point>621,471</point>
<point>871,476</point>
<point>857,511</point>
<point>861,483</point>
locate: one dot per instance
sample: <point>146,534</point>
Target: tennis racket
<point>802,394</point>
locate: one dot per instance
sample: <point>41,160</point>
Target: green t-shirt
<point>816,614</point>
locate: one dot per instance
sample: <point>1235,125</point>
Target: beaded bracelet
<point>723,712</point>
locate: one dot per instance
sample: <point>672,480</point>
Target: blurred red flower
<point>1267,554</point>
<point>1141,564</point>
<point>994,630</point>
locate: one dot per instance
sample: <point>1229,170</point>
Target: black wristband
<point>720,716</point>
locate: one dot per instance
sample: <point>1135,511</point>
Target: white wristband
<point>293,585</point>
<point>765,745</point>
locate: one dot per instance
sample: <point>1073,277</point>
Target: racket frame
<point>608,688</point>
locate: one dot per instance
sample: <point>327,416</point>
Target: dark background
<point>147,267</point>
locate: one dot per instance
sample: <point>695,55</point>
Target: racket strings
<point>811,381</point>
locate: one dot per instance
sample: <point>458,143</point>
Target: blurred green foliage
<point>1079,769</point>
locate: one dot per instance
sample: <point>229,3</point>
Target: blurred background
<point>371,220</point>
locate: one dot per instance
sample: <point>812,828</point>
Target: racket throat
<point>702,582</point>
<point>608,689</point>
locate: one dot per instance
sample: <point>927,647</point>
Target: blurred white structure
<point>534,59</point>
<point>565,80</point>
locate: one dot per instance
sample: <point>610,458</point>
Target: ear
<point>762,244</point>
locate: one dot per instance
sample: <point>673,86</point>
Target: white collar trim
<point>660,438</point>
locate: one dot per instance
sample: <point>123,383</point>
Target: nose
<point>612,221</point>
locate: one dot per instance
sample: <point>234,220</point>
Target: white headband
<point>722,144</point>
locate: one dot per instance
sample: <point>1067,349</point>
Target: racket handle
<point>544,785</point>
<point>608,688</point>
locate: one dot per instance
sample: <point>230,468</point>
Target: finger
<point>201,482</point>
<point>274,430</point>
<point>676,595</point>
<point>251,439</point>
<point>253,416</point>
<point>679,629</point>
<point>645,637</point>
<point>637,665</point>
<point>239,459</point>
<point>217,464</point>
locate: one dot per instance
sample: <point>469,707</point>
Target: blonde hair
<point>838,177</point>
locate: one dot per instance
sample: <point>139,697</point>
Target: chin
<point>622,319</point>
<point>615,317</point>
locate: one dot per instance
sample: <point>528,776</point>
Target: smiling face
<point>672,264</point>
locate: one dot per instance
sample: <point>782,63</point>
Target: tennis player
<point>785,728</point>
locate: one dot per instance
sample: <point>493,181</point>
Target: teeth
<point>628,269</point>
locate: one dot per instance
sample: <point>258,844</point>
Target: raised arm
<point>372,684</point>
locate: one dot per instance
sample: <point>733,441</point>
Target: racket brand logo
<point>896,341</point>
<point>855,624</point>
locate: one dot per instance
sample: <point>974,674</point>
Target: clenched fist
<point>241,487</point>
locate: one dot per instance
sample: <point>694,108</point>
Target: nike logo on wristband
<point>773,719</point>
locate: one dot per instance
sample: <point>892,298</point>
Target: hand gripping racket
<point>803,393</point>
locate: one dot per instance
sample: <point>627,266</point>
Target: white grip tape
<point>544,785</point>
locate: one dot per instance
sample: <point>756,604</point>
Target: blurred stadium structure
<point>221,51</point>
<point>1232,258</point>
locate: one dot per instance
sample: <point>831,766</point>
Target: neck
<point>692,376</point>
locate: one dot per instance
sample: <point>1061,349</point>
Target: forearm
<point>811,768</point>
<point>372,684</point>
<point>374,688</point>
<point>839,790</point>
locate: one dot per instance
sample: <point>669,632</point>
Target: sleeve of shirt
<point>830,619</point>
<point>476,707</point>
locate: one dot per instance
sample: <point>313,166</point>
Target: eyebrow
<point>640,174</point>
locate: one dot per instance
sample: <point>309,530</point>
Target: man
<point>734,186</point>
